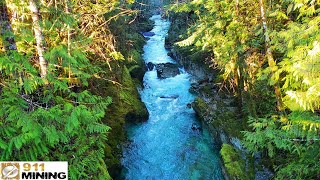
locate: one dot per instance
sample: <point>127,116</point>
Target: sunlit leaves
<point>59,119</point>
<point>236,39</point>
<point>298,71</point>
<point>301,64</point>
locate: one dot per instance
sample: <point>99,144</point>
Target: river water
<point>165,147</point>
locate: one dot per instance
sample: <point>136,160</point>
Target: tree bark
<point>39,37</point>
<point>67,10</point>
<point>237,7</point>
<point>271,62</point>
<point>239,64</point>
<point>6,31</point>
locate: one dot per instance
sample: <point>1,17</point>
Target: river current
<point>166,147</point>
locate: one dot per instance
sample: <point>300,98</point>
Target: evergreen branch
<point>114,82</point>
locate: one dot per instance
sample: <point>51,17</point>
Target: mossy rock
<point>199,56</point>
<point>136,65</point>
<point>220,118</point>
<point>115,120</point>
<point>234,164</point>
<point>137,111</point>
<point>200,107</point>
<point>126,105</point>
<point>225,119</point>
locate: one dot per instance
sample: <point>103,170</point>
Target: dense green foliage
<point>60,116</point>
<point>269,55</point>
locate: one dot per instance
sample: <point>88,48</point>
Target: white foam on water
<point>165,147</point>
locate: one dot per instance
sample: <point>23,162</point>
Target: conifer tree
<point>241,35</point>
<point>54,116</point>
<point>35,14</point>
<point>271,62</point>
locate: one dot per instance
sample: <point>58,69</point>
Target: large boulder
<point>150,66</point>
<point>148,34</point>
<point>166,70</point>
<point>135,110</point>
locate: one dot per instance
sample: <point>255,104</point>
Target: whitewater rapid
<point>166,147</point>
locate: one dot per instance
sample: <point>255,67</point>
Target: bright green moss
<point>125,103</point>
<point>200,106</point>
<point>233,162</point>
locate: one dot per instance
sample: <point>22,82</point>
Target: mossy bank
<point>126,78</point>
<point>217,108</point>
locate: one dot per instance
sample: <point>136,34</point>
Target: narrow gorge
<point>172,144</point>
<point>160,89</point>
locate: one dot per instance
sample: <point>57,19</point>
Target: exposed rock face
<point>203,85</point>
<point>218,112</point>
<point>167,70</point>
<point>196,67</point>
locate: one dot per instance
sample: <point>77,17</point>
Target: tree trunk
<point>271,62</point>
<point>237,7</point>
<point>238,71</point>
<point>67,10</point>
<point>39,37</point>
<point>6,31</point>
